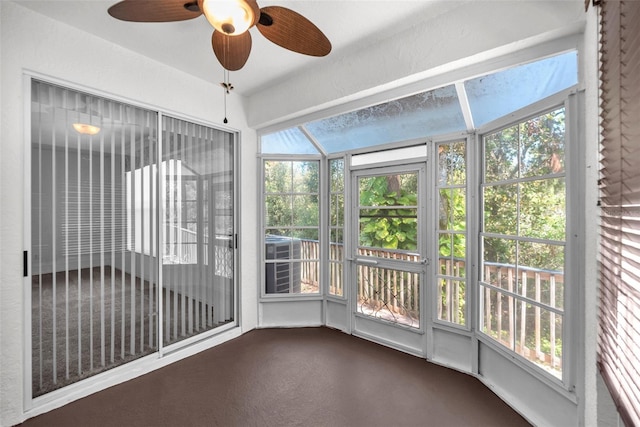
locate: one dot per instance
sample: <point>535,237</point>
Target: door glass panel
<point>389,294</point>
<point>94,235</point>
<point>198,231</point>
<point>388,276</point>
<point>388,219</point>
<point>98,183</point>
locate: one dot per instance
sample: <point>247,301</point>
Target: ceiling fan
<point>231,20</point>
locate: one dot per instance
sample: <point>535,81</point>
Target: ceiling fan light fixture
<point>231,17</point>
<point>86,129</point>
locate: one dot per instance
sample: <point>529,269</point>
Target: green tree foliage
<point>452,225</point>
<point>336,199</point>
<point>291,198</point>
<point>523,196</point>
<point>389,215</point>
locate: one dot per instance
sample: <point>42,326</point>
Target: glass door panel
<point>198,229</point>
<point>94,289</point>
<point>388,219</point>
<point>388,247</point>
<point>389,294</point>
<point>99,183</point>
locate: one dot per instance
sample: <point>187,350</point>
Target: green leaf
<point>382,234</point>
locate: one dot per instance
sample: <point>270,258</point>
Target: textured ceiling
<point>350,25</point>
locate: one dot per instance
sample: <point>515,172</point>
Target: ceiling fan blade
<point>155,10</point>
<point>231,51</point>
<point>292,31</point>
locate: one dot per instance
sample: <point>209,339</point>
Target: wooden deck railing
<point>528,329</point>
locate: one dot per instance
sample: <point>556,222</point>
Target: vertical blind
<point>197,184</point>
<point>619,319</point>
<point>98,271</point>
<point>93,298</point>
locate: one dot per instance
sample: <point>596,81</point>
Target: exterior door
<point>388,255</point>
<point>131,234</point>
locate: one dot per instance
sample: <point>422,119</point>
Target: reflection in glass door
<point>388,248</point>
<point>94,272</point>
<point>108,209</point>
<point>198,229</point>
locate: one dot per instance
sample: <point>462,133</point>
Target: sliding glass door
<point>197,228</point>
<point>132,233</point>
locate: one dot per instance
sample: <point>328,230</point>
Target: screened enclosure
<point>401,248</point>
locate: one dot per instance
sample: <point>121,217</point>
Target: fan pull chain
<point>227,89</point>
<point>226,92</point>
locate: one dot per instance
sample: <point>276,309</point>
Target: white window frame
<point>322,227</point>
<point>468,279</point>
<point>574,245</point>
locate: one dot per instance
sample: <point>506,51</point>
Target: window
<point>181,213</point>
<point>523,238</point>
<point>291,233</point>
<point>140,185</point>
<point>336,227</point>
<point>452,235</point>
<point>434,112</point>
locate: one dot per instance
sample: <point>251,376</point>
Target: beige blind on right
<point>619,321</point>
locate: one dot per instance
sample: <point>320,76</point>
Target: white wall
<point>33,42</point>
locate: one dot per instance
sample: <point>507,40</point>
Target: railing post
<point>511,309</point>
<point>499,304</point>
<point>523,314</point>
<point>552,320</point>
<point>402,291</point>
<point>456,302</point>
<point>333,269</point>
<point>316,270</point>
<point>537,318</point>
<point>394,281</point>
<point>487,308</point>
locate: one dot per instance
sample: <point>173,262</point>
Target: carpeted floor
<point>292,377</point>
<point>68,342</point>
<point>100,319</point>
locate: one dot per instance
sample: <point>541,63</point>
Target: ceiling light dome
<point>86,129</point>
<point>231,17</point>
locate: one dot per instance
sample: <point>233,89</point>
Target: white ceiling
<point>350,25</point>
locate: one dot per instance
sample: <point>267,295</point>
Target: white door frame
<point>406,338</point>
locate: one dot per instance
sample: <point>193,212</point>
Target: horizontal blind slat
<point>619,321</point>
